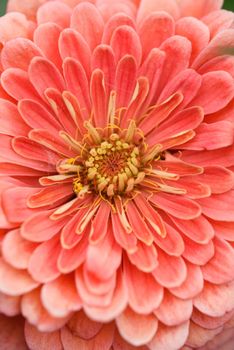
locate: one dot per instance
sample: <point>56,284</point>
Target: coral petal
<point>136,329</point>
<point>170,338</point>
<point>171,271</point>
<point>103,339</point>
<point>60,296</point>
<point>140,283</point>
<point>173,310</point>
<point>15,282</point>
<point>43,341</point>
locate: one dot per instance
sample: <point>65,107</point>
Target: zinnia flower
<point>116,165</point>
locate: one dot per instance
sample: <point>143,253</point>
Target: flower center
<point>111,162</point>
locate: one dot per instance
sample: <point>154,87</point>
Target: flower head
<point>117,173</point>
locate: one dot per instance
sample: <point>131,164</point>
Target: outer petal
<point>102,341</point>
<point>42,341</point>
<point>12,333</point>
<point>136,329</point>
<point>170,338</point>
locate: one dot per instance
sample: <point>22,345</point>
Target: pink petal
<point>147,7</point>
<point>14,25</point>
<point>102,341</point>
<point>215,300</point>
<point>173,310</point>
<point>172,243</point>
<point>16,83</point>
<point>96,285</point>
<point>118,20</point>
<point>193,284</point>
<point>18,53</point>
<point>69,237</point>
<point>125,80</point>
<point>220,63</point>
<point>222,86</point>
<point>211,158</point>
<point>210,322</point>
<point>160,112</point>
<point>126,241</point>
<point>211,136</point>
<point>136,329</point>
<point>137,104</point>
<point>82,327</point>
<point>138,224</point>
<point>196,31</point>
<point>100,228</point>
<point>218,206</point>
<point>151,216</point>
<point>215,48</point>
<point>32,150</point>
<point>198,254</point>
<point>170,338</point>
<point>90,298</point>
<point>54,12</point>
<point>76,81</point>
<point>43,264</point>
<point>51,141</point>
<point>12,333</point>
<point>144,258</point>
<point>118,304</point>
<point>104,258</point>
<point>9,169</point>
<point>51,195</point>
<point>199,230</point>
<point>44,341</point>
<point>9,155</point>
<point>186,83</point>
<point>60,296</point>
<point>154,30</point>
<point>218,178</point>
<point>218,20</point>
<point>223,230</point>
<point>18,195</point>
<point>49,47</point>
<point>220,269</point>
<point>99,99</point>
<point>11,122</point>
<point>121,344</point>
<point>16,250</point>
<point>140,284</point>
<point>108,9</point>
<point>125,41</point>
<point>88,22</point>
<point>39,227</point>
<point>70,259</point>
<point>103,58</point>
<point>180,207</point>
<point>187,119</point>
<point>43,74</point>
<point>171,271</point>
<point>35,313</point>
<point>15,282</point>
<point>37,116</point>
<point>72,44</point>
<point>199,336</point>
<point>179,47</point>
<point>151,68</point>
<point>10,305</point>
<point>200,9</point>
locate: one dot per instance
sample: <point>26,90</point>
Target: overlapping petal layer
<point>117,176</point>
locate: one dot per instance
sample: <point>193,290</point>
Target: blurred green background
<point>228,4</point>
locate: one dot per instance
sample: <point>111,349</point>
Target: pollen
<point>113,162</point>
